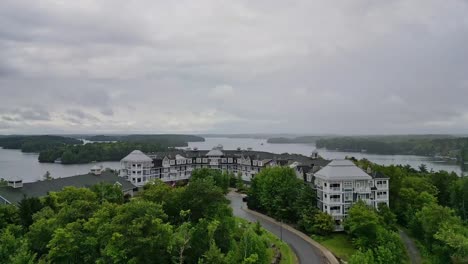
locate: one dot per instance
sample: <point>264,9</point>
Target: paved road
<point>413,252</point>
<point>305,252</point>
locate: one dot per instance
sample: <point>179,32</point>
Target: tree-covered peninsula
<point>36,143</point>
<point>450,147</point>
<point>112,151</point>
<point>69,150</point>
<point>167,139</point>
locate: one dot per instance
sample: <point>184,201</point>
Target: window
<point>335,185</point>
<point>172,162</point>
<point>325,184</point>
<point>348,184</point>
<point>189,161</point>
<point>348,197</point>
<point>335,208</point>
<point>205,160</point>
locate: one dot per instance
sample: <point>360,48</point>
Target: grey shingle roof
<point>215,153</point>
<point>342,170</point>
<point>137,155</point>
<point>41,188</point>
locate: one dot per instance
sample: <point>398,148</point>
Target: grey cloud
<point>238,66</point>
<point>78,115</point>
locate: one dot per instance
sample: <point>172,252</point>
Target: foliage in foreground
<point>191,224</point>
<point>279,193</point>
<point>432,206</point>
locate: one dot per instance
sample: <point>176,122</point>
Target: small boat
<point>59,160</point>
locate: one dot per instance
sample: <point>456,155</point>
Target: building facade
<point>341,183</point>
<point>177,165</point>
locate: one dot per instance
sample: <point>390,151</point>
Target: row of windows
<point>206,160</point>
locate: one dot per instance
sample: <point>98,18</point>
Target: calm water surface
<point>26,166</point>
<point>306,149</point>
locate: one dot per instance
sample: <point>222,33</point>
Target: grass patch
<point>338,243</point>
<point>287,254</point>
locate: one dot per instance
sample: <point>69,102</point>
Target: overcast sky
<point>351,66</point>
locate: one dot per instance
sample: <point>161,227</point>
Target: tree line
<point>115,151</point>
<point>425,146</point>
<point>36,143</point>
<point>163,224</point>
<point>278,193</point>
<point>432,206</point>
<point>165,139</point>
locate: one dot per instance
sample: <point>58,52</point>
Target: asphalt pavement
<point>305,252</point>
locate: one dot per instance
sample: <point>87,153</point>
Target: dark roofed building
<point>178,164</point>
<point>12,195</point>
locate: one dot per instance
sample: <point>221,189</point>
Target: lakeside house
<point>341,183</point>
<point>177,165</point>
<point>16,190</point>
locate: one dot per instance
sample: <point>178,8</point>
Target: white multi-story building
<point>136,167</point>
<point>177,165</point>
<point>341,183</point>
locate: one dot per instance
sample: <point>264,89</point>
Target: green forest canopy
<point>426,146</point>
<point>163,224</point>
<point>36,143</point>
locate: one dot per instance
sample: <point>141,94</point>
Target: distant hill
<point>164,139</point>
<point>253,135</point>
<point>424,145</point>
<point>36,143</point>
<point>296,140</point>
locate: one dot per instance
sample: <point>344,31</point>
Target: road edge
<point>331,259</point>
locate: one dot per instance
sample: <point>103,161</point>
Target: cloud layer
<point>353,66</point>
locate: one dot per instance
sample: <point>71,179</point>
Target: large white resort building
<point>341,183</point>
<point>338,183</point>
<point>176,165</point>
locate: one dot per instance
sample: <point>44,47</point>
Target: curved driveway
<point>304,251</point>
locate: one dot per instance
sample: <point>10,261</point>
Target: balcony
<point>382,186</point>
<point>335,212</point>
<point>382,197</point>
<point>335,189</point>
<point>362,190</point>
<point>335,200</point>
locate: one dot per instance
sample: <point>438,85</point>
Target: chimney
<point>369,170</point>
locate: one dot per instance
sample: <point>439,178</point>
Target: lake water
<point>306,149</point>
<point>26,166</point>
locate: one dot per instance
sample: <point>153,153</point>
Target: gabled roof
<point>136,156</point>
<point>215,153</point>
<point>179,157</point>
<point>41,188</point>
<point>342,170</point>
